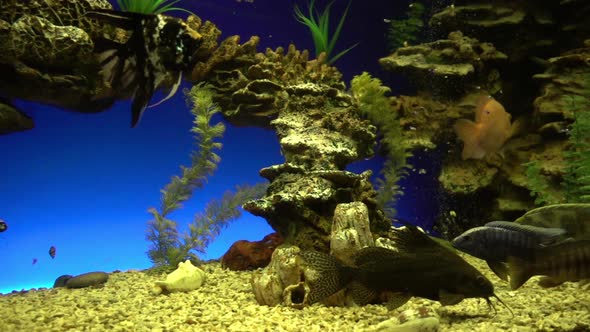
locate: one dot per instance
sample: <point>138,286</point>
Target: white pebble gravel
<point>226,303</point>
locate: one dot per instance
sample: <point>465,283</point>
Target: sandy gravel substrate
<point>226,303</point>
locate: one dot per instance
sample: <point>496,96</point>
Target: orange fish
<point>489,132</point>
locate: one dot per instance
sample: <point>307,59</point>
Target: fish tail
<point>519,270</point>
<point>325,275</point>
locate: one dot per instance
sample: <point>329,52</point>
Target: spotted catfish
<point>159,49</point>
<point>420,267</point>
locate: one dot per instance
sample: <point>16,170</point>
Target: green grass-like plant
<point>538,184</point>
<point>577,176</point>
<point>369,95</point>
<point>161,230</point>
<point>400,32</point>
<point>318,24</point>
<point>169,247</point>
<point>150,6</point>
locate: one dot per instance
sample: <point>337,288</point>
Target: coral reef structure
<point>539,76</point>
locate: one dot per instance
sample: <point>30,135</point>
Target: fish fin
<point>519,271</point>
<point>327,276</point>
<point>171,93</point>
<point>120,19</point>
<point>397,300</point>
<point>138,108</point>
<point>447,298</point>
<point>409,238</point>
<point>517,126</point>
<point>468,132</point>
<point>544,235</point>
<point>548,282</point>
<point>499,268</point>
<point>372,258</point>
<point>361,294</point>
<point>142,96</point>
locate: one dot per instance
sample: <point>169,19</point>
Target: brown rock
<point>248,255</point>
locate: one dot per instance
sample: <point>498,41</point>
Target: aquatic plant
<point>169,246</point>
<point>401,32</point>
<point>369,95</point>
<point>204,162</point>
<point>318,25</point>
<point>538,184</point>
<point>150,6</point>
<point>576,177</point>
<point>577,157</point>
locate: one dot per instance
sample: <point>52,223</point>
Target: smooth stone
<point>87,279</point>
<point>62,280</point>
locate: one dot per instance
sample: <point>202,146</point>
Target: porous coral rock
<point>451,66</point>
<point>284,270</point>
<point>564,81</point>
<point>37,42</point>
<point>47,52</point>
<point>532,28</point>
<point>350,231</point>
<point>319,128</point>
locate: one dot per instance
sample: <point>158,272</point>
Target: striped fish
<point>159,49</point>
<point>497,240</point>
<point>567,261</point>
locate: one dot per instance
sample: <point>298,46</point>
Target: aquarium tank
<point>301,165</point>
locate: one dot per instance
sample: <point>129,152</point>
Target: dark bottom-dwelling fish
<point>497,240</point>
<point>421,267</point>
<point>567,261</point>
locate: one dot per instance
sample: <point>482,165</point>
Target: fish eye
<point>481,280</point>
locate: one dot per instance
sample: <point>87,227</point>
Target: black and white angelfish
<point>159,49</point>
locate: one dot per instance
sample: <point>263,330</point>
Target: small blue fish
<point>497,240</point>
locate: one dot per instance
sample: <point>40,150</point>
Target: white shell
<point>185,278</point>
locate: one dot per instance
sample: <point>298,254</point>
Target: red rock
<point>247,255</point>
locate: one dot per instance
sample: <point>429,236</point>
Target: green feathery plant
<point>369,95</point>
<point>400,32</point>
<point>169,247</point>
<point>538,184</point>
<point>318,25</point>
<point>577,176</point>
<point>150,6</point>
<point>161,230</point>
